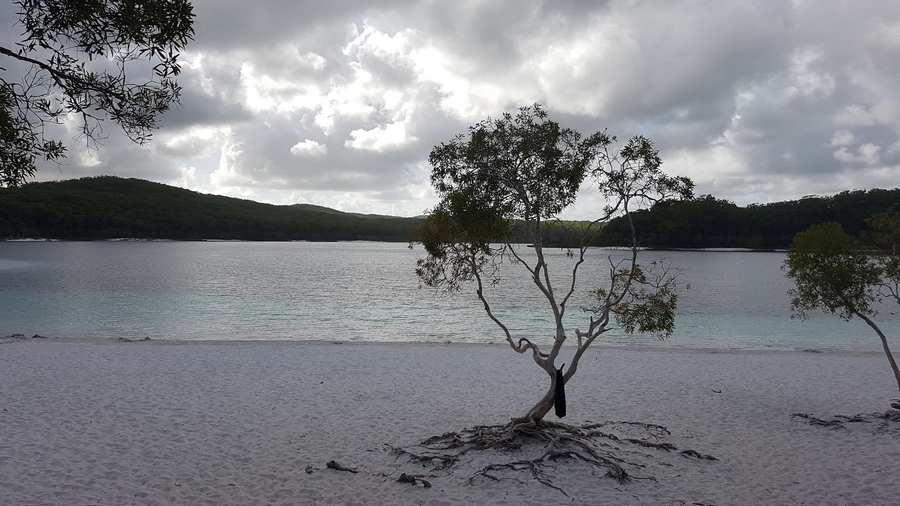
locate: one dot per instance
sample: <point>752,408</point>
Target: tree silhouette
<point>836,273</point>
<point>96,60</point>
<point>523,170</point>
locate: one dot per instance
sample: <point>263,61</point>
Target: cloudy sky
<point>338,103</point>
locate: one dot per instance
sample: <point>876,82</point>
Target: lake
<point>368,291</point>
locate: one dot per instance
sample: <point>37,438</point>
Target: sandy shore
<point>157,423</point>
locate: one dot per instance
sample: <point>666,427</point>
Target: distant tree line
<point>708,222</point>
<point>110,207</point>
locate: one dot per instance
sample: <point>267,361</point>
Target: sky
<point>338,103</point>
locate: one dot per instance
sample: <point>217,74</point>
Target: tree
<point>523,170</point>
<point>96,60</point>
<point>834,272</point>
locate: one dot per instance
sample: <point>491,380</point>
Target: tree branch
<point>523,344</point>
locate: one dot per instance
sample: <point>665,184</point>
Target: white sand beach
<point>114,423</point>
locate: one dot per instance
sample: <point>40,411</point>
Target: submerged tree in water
<point>524,170</point>
<point>836,273</point>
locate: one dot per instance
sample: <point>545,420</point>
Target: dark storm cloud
<point>343,100</point>
<point>198,108</point>
<point>239,24</point>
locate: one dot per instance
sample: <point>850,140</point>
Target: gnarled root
<point>887,419</point>
<point>609,446</point>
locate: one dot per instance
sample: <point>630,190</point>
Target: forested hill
<point>111,207</point>
<point>707,222</point>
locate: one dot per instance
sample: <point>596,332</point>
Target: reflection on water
<point>367,291</point>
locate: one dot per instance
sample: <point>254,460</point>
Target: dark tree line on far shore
<point>707,222</point>
<point>110,207</point>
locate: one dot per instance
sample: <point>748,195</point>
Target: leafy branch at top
<point>95,60</point>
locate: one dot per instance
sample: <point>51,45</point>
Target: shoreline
<point>399,241</point>
<point>9,339</point>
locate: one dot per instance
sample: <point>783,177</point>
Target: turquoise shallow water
<point>366,291</point>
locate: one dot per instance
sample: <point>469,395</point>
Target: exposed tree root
<point>696,455</point>
<point>413,479</point>
<point>840,421</point>
<point>337,466</point>
<point>812,420</point>
<point>544,444</point>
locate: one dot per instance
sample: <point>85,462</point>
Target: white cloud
<point>894,149</point>
<point>191,143</point>
<point>803,92</point>
<point>857,115</point>
<point>842,138</point>
<point>805,79</point>
<point>380,138</point>
<point>228,172</point>
<point>309,148</point>
<point>88,158</point>
<point>186,179</point>
<point>698,163</point>
<point>313,60</point>
<point>866,154</point>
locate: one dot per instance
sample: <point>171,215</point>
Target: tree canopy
<point>522,170</point>
<point>710,222</point>
<point>837,273</point>
<point>96,60</point>
<point>111,207</point>
<point>832,272</point>
<point>525,168</point>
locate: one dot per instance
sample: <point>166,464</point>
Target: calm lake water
<point>367,291</point>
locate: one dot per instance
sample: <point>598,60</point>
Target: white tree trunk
<point>884,344</point>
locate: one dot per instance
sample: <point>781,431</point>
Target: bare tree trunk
<point>543,406</point>
<point>884,344</point>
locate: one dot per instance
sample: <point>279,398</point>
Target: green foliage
<point>81,57</point>
<point>521,166</point>
<point>111,207</point>
<point>20,144</point>
<point>517,173</point>
<point>457,248</point>
<point>831,272</point>
<point>517,170</point>
<point>843,275</point>
<point>837,273</point>
<point>707,222</point>
<point>885,237</point>
<point>644,303</point>
<point>635,174</point>
<point>885,232</point>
